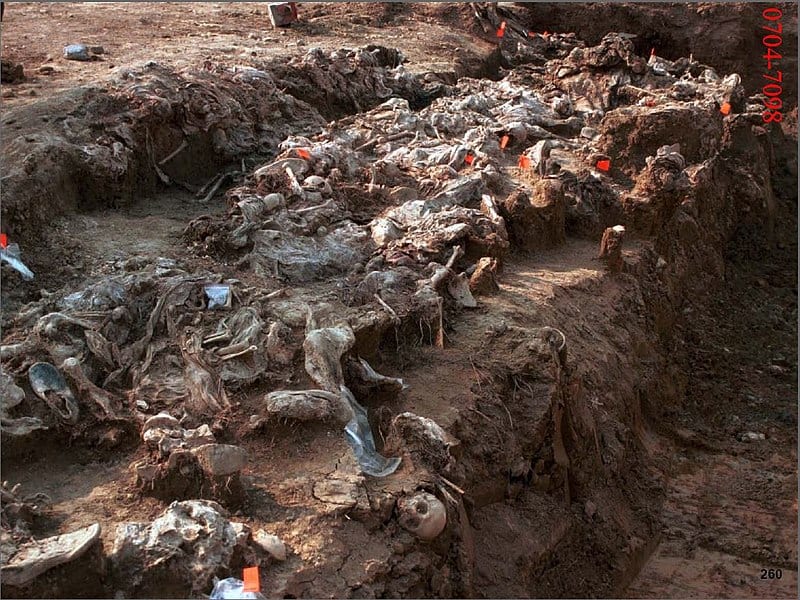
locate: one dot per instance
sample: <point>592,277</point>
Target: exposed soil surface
<point>742,350</point>
<point>651,454</point>
<point>184,34</point>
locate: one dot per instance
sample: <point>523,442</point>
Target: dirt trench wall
<point>101,144</point>
<point>107,146</point>
<point>593,451</point>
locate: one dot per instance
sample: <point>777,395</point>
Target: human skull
<point>384,231</point>
<point>315,183</point>
<point>562,106</point>
<point>422,514</point>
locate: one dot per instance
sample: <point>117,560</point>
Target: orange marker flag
<point>252,583</point>
<point>3,240</point>
<point>503,142</point>
<point>302,153</point>
<point>502,30</point>
<point>604,165</point>
<point>524,162</point>
<point>469,159</point>
<point>725,108</point>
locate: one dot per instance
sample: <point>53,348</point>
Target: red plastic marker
<point>252,583</point>
<point>302,153</point>
<point>469,159</point>
<point>503,142</point>
<point>604,165</point>
<point>725,108</point>
<point>524,162</point>
<point>3,240</point>
<point>502,30</point>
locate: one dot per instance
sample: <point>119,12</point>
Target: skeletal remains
<point>148,345</point>
<point>423,514</point>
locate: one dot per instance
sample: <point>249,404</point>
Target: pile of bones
<point>387,217</point>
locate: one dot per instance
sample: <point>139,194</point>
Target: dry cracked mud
<point>389,306</point>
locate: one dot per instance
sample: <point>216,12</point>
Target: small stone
<point>384,231</point>
<point>221,459</point>
<point>589,133</point>
<point>337,491</point>
<point>590,508</point>
<point>271,544</point>
<point>484,279</point>
<point>562,106</point>
<point>242,531</point>
<point>46,70</point>
<point>752,436</point>
<point>76,52</point>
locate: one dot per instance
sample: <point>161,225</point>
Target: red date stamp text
<point>773,88</point>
